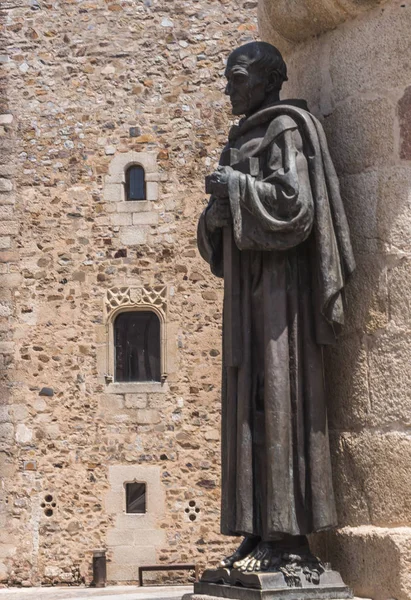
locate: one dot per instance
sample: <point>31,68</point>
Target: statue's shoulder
<point>279,124</point>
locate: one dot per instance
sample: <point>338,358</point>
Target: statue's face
<point>246,86</point>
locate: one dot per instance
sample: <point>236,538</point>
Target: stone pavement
<point>108,593</point>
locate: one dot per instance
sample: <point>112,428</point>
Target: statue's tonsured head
<point>254,72</point>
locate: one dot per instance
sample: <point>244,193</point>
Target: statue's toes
<point>257,566</point>
<point>226,563</point>
<point>315,577</point>
<point>265,564</point>
<point>239,563</point>
<point>251,566</point>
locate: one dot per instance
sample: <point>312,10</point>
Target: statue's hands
<point>218,214</point>
<point>217,182</point>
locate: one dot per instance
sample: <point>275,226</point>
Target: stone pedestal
<point>234,585</point>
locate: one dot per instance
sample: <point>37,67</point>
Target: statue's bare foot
<point>247,545</point>
<point>266,556</point>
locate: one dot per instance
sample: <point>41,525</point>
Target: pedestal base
<point>234,585</point>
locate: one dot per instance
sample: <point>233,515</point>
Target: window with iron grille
<point>135,183</point>
<point>137,346</point>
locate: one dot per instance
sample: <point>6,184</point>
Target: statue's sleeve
<point>210,244</point>
<point>275,212</point>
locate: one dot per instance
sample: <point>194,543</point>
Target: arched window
<point>137,346</point>
<point>135,183</point>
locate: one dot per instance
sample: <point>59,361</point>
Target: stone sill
<point>137,387</point>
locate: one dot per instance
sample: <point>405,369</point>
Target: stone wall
<point>357,80</point>
<point>87,81</point>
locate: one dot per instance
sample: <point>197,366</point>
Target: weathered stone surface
<point>373,561</point>
<point>361,133</point>
<point>390,379</point>
<point>353,48</point>
<point>346,367</point>
<point>303,19</point>
<point>134,236</point>
<point>394,208</point>
<point>372,477</point>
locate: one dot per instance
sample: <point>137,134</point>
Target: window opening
<point>135,183</point>
<point>135,498</point>
<point>137,346</point>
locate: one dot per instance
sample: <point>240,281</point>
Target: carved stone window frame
<point>114,182</point>
<point>122,299</point>
<point>134,220</point>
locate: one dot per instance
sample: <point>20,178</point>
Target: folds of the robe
<point>294,255</point>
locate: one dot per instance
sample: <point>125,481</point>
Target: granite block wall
<point>356,79</point>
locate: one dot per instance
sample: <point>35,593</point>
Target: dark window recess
<point>135,497</point>
<point>135,183</point>
<point>137,346</point>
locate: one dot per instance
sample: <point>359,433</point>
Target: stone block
<point>360,134</point>
<point>11,280</point>
<point>6,434</point>
<point>146,416</point>
<point>7,199</point>
<point>134,236</point>
<point>6,119</point>
<point>5,242</point>
<point>136,401</point>
<point>134,535</point>
<point>20,412</point>
<point>112,403</point>
<point>6,212</point>
<point>375,562</point>
<point>134,206</point>
<point>7,550</point>
<point>399,286</point>
<point>390,379</point>
<point>372,478</point>
<point>121,219</point>
<point>5,311</point>
<point>362,216</point>
<point>307,76</point>
<point>114,503</point>
<point>126,522</point>
<point>152,190</point>
<point>134,555</point>
<point>352,68</point>
<point>367,296</point>
<point>146,387</point>
<point>5,414</point>
<point>6,347</point>
<point>394,208</point>
<point>303,19</point>
<point>148,537</point>
<point>9,227</point>
<point>113,192</point>
<point>5,185</point>
<point>152,177</point>
<point>145,218</point>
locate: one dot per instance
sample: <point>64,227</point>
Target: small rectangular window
<point>135,183</point>
<point>135,498</point>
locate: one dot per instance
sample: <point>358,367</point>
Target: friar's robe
<point>293,258</point>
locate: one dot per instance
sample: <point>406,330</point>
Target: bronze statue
<point>276,230</point>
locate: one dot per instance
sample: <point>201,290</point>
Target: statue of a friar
<point>276,231</point>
